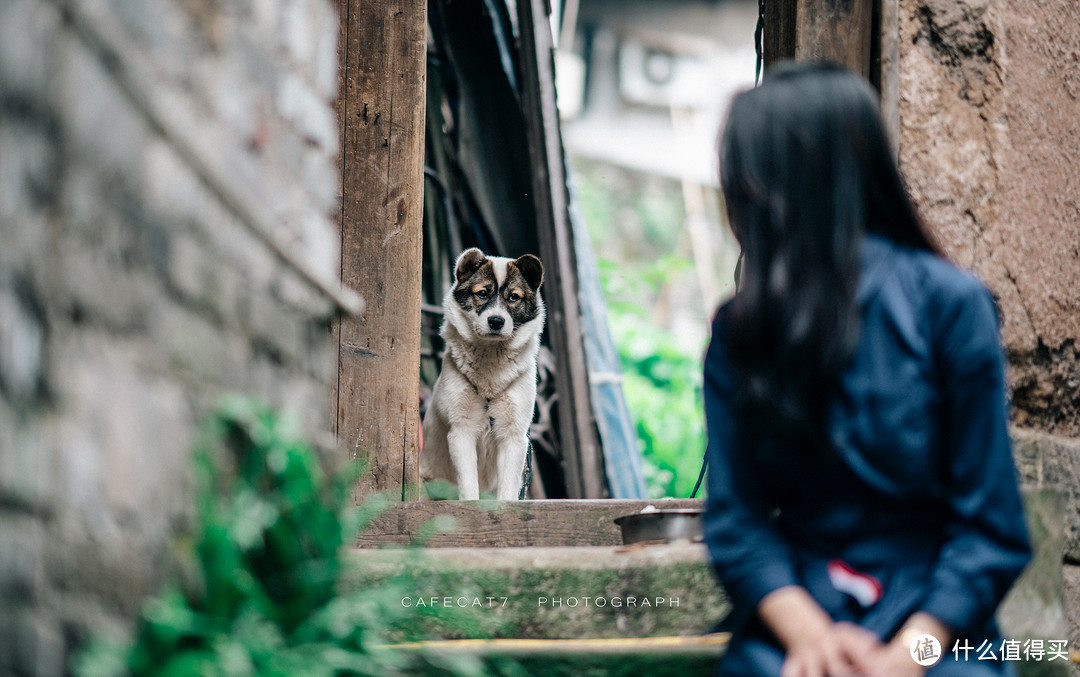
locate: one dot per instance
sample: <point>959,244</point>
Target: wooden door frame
<point>809,30</point>
<point>381,111</point>
<point>579,442</point>
<point>375,401</point>
<point>863,35</point>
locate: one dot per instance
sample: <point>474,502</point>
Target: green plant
<point>662,379</point>
<point>267,559</point>
<point>636,223</point>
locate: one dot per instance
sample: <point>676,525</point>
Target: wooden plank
<point>492,524</point>
<point>381,235</point>
<point>580,446</point>
<point>778,41</point>
<point>695,655</point>
<point>836,30</point>
<point>711,644</point>
<point>888,76</point>
<point>339,112</point>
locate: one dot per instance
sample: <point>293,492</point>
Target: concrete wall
<point>167,177</point>
<point>990,144</point>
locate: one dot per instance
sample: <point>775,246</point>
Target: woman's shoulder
<point>716,359</point>
<point>940,283</point>
<point>720,317</point>
<point>951,301</point>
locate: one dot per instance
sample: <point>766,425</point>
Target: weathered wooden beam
<point>382,123</point>
<point>835,30</point>
<point>809,30</point>
<point>516,524</point>
<point>888,68</point>
<point>778,40</point>
<point>339,112</point>
<point>580,446</point>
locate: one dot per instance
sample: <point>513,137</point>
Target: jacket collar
<point>876,255</point>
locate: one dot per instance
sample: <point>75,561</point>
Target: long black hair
<point>806,168</point>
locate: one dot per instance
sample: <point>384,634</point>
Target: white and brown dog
<point>476,429</point>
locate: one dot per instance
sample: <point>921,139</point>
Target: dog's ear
<point>531,269</point>
<point>468,263</point>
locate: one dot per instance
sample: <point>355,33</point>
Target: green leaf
<point>268,550</point>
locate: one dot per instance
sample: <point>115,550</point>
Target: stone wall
<point>990,145</point>
<point>167,180</point>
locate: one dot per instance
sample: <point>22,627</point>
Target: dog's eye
<point>515,297</point>
<point>482,294</point>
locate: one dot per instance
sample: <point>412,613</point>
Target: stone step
<point>599,592</point>
<point>570,600</point>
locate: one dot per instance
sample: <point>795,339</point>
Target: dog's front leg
<point>510,464</point>
<point>462,446</point>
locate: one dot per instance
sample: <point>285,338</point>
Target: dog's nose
<point>496,323</point>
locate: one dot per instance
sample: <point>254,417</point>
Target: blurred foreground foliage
<point>263,594</point>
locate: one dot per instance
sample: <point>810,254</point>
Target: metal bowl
<point>661,526</point>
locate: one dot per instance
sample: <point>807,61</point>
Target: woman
<point>862,492</point>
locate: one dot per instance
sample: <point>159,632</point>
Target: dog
<point>476,429</point>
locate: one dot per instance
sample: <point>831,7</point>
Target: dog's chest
<point>491,370</point>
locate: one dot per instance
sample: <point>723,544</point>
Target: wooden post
<point>778,41</point>
<point>382,125</point>
<point>808,30</point>
<point>889,68</point>
<point>582,461</point>
<point>836,30</point>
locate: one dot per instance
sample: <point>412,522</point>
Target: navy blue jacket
<point>925,501</point>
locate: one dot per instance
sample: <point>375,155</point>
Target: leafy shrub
<point>636,223</point>
<point>267,556</point>
<point>662,379</point>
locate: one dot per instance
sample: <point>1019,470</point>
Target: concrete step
<point>598,592</point>
<point>570,600</point>
<point>552,584</point>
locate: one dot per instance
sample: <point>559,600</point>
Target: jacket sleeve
<point>748,556</point>
<point>986,542</point>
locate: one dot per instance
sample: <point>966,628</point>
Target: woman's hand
<point>895,659</point>
<point>815,645</point>
<point>892,660</point>
<point>840,651</point>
